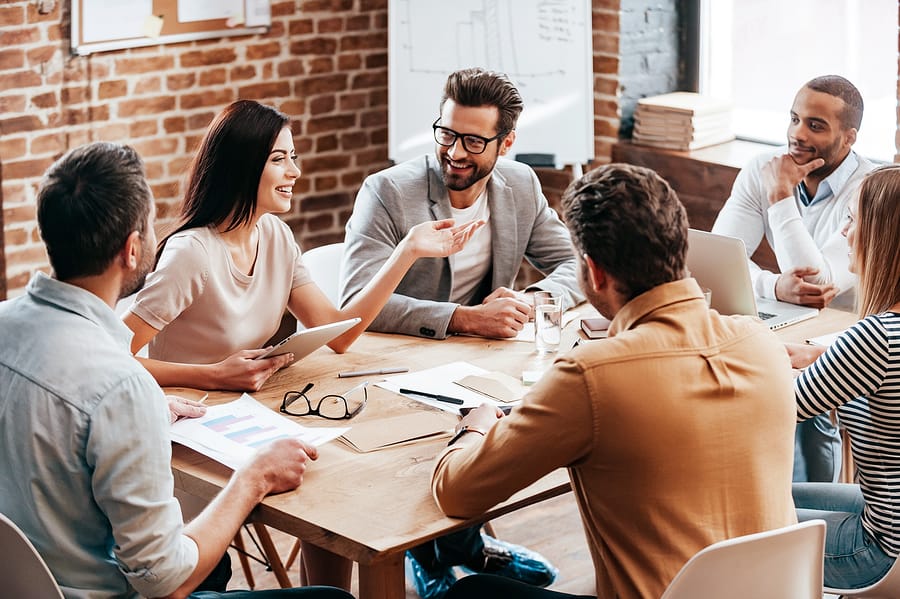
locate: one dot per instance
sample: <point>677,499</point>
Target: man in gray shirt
<point>85,457</point>
<point>466,179</point>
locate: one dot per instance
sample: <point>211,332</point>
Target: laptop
<point>302,343</point>
<point>719,263</point>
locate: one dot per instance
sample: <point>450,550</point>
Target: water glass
<point>547,322</point>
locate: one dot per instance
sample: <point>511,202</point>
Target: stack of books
<point>682,121</point>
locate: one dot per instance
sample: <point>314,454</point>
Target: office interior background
<point>325,63</point>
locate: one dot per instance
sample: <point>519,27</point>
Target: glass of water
<point>547,322</point>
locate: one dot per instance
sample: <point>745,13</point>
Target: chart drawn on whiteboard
<point>544,46</point>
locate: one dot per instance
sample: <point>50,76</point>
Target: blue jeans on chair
<point>853,559</point>
<point>817,451</point>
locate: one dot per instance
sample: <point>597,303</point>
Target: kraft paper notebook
<point>397,430</point>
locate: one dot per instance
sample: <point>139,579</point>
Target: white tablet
<point>302,343</point>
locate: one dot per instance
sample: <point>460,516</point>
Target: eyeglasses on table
<point>332,406</point>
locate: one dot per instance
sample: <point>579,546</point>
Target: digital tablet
<point>302,343</point>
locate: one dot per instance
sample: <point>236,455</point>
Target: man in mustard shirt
<point>651,422</point>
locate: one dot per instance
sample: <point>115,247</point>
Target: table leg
<point>383,580</point>
<point>272,556</point>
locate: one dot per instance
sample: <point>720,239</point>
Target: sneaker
<point>515,562</point>
<point>429,585</point>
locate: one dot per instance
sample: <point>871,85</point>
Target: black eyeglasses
<point>333,407</point>
<point>473,144</point>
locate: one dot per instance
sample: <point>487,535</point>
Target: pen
<point>348,374</point>
<point>436,396</point>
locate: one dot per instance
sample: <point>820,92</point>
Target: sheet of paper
<point>824,340</point>
<point>231,432</point>
<point>440,380</point>
<point>258,13</point>
<point>205,10</point>
<point>122,19</point>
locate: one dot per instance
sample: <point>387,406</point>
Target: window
<point>759,52</point>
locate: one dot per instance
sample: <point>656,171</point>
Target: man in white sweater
<point>797,197</point>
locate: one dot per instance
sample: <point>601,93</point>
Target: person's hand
<point>500,318</point>
<point>782,174</point>
<point>180,407</point>
<point>280,465</point>
<point>793,287</point>
<point>803,354</point>
<point>241,371</point>
<point>482,418</point>
<point>437,239</point>
<point>519,295</point>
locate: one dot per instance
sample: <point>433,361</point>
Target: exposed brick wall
<point>324,63</point>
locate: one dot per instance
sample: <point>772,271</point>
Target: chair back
<point>785,563</point>
<point>23,572</point>
<point>324,265</point>
<point>886,588</point>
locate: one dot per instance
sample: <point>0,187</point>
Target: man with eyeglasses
<point>465,179</point>
<point>470,293</point>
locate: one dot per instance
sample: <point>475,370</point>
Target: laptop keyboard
<point>765,315</point>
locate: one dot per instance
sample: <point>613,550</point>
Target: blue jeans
<point>853,558</point>
<point>817,451</point>
<point>454,549</point>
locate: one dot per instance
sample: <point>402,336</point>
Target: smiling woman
<point>225,276</point>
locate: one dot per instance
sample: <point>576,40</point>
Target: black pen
<point>443,398</point>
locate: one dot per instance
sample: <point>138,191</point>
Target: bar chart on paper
<point>230,432</point>
<point>245,430</point>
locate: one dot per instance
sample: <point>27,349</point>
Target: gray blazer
<point>396,199</point>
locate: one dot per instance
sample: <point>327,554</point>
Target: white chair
<point>23,572</point>
<point>786,563</point>
<point>324,265</point>
<point>886,588</point>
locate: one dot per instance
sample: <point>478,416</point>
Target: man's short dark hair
<point>89,202</point>
<point>631,223</point>
<point>478,87</point>
<point>835,85</point>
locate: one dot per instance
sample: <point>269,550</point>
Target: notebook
<point>303,343</point>
<point>719,263</point>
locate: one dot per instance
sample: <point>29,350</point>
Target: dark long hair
<point>223,179</point>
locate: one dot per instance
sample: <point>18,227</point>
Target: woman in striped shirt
<point>859,376</point>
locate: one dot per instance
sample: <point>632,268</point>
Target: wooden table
<point>372,507</point>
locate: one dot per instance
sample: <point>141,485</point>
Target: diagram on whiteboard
<point>544,46</point>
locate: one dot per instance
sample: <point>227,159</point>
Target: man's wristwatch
<point>463,431</point>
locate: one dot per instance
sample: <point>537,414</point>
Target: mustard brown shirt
<point>652,424</point>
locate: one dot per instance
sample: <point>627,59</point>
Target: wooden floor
<point>552,528</point>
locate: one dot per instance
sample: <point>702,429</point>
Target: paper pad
<point>396,431</point>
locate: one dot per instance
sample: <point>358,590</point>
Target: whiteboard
<point>544,46</point>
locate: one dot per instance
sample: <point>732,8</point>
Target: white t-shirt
<point>204,307</point>
<point>472,263</point>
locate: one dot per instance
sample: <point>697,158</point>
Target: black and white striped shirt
<point>860,376</point>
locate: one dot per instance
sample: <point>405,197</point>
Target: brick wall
<point>324,63</point>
